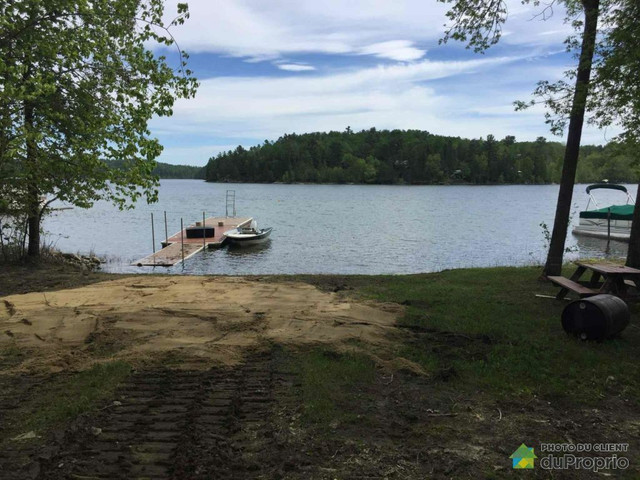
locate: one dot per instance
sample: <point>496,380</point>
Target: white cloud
<point>400,50</point>
<point>239,99</point>
<point>295,67</point>
<point>526,25</point>
<point>259,31</point>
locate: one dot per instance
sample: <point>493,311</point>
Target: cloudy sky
<point>281,66</point>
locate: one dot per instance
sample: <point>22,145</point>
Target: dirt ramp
<point>212,319</point>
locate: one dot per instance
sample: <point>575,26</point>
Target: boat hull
<point>620,230</point>
<point>244,239</point>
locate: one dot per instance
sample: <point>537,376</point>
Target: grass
<point>66,397</point>
<point>45,276</point>
<point>329,381</point>
<point>11,355</point>
<point>487,326</point>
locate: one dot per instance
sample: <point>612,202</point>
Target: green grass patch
<point>330,381</point>
<point>488,326</point>
<point>424,357</point>
<point>11,355</point>
<point>66,397</point>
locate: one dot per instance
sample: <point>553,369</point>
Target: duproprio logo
<point>523,457</point>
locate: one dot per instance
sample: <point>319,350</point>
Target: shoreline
<point>402,184</point>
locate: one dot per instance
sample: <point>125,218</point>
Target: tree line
<point>166,170</point>
<point>413,157</point>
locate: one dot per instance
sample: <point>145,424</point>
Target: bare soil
<point>206,320</point>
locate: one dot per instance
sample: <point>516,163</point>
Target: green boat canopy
<point>618,212</point>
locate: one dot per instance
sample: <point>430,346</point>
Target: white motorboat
<point>248,235</point>
<point>612,222</point>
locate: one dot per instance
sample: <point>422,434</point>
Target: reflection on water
<point>248,250</point>
<point>365,229</point>
<point>600,248</point>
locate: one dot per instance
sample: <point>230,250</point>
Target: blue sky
<point>268,68</point>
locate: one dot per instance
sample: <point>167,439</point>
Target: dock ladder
<point>231,203</point>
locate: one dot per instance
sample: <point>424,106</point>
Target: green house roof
<point>523,452</point>
<point>618,212</point>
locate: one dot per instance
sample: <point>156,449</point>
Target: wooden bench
<point>567,285</point>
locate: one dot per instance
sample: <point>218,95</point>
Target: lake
<point>347,229</point>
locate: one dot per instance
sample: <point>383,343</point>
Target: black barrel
<point>200,232</point>
<point>595,318</point>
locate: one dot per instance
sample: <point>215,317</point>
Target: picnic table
<point>605,278</point>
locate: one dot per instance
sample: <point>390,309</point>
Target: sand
<point>207,320</point>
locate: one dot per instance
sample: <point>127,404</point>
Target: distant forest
<point>166,170</point>
<point>414,157</point>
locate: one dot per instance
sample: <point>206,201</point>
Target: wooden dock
<point>171,254</point>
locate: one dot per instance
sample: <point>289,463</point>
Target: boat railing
<point>630,201</point>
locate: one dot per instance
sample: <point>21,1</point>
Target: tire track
<point>18,459</point>
<point>171,424</point>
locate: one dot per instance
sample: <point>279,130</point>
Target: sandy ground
<point>209,320</point>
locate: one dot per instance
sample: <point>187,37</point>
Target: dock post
<point>182,240</point>
<point>153,239</point>
<point>608,228</point>
<point>204,233</point>
<point>166,232</point>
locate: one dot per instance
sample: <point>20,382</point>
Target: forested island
<point>413,157</point>
<point>167,170</point>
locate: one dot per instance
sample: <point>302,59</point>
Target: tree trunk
<point>553,265</point>
<point>633,254</point>
<point>34,236</point>
<point>33,193</point>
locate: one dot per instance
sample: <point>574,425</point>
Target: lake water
<point>367,229</point>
